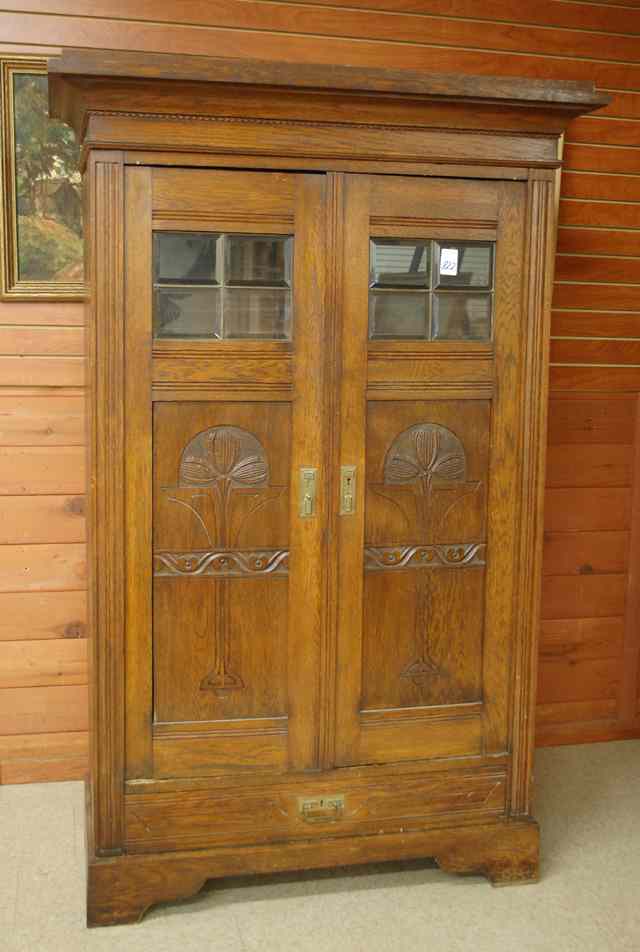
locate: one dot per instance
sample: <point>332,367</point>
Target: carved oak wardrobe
<point>318,305</point>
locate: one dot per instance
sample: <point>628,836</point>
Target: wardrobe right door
<point>430,457</point>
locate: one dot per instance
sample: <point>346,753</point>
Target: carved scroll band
<point>454,555</point>
<point>223,563</point>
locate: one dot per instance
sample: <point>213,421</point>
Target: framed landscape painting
<point>42,245</point>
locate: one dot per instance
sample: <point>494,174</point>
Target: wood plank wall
<point>590,637</point>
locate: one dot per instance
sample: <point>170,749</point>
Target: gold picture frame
<point>30,244</point>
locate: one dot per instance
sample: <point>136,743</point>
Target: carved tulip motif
<point>221,460</point>
<point>222,454</point>
<point>424,456</point>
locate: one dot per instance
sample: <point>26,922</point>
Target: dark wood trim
<point>585,732</point>
<point>137,469</point>
<point>538,286</point>
<point>580,96</point>
<point>106,498</point>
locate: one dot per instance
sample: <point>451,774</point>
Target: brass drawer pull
<point>321,809</point>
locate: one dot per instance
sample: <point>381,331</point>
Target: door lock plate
<point>347,490</point>
<point>307,491</point>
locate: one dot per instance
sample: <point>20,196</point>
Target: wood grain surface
<point>42,420</point>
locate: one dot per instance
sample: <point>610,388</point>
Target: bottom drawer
<point>302,808</point>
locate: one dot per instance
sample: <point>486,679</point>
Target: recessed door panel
<point>425,552</point>
<point>226,657</point>
<point>422,638</point>
<point>221,560</point>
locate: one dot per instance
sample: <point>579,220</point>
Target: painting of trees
<point>47,187</point>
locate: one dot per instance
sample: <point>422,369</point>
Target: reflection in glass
<point>187,312</point>
<point>471,267</point>
<point>261,313</point>
<point>460,316</point>
<point>258,260</point>
<point>399,263</point>
<point>396,315</point>
<point>185,258</point>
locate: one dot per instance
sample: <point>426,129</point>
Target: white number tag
<point>449,261</point>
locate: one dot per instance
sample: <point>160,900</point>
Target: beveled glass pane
<point>257,313</point>
<point>460,316</point>
<point>464,264</point>
<point>399,263</point>
<point>253,260</point>
<point>185,257</point>
<point>396,315</point>
<point>186,312</point>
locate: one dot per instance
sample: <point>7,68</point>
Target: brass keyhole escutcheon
<point>347,490</point>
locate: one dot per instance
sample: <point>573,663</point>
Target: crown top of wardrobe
<point>84,81</point>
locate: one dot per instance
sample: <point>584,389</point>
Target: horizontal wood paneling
<point>299,20</point>
<point>609,188</point>
<point>44,710</point>
<point>583,596</point>
<point>38,469</point>
<point>590,456</point>
<point>591,268</point>
<point>42,371</point>
<point>25,664</point>
<point>592,464</point>
<point>42,313</point>
<point>585,553</point>
<point>353,37</point>
<point>602,378</point>
<point>565,681</point>
<point>572,351</point>
<point>594,17</point>
<point>41,519</point>
<point>572,239</point>
<point>593,508</point>
<point>591,420</point>
<point>42,568</point>
<point>623,106</point>
<point>574,639</point>
<point>598,158</point>
<point>30,758</point>
<point>39,615</point>
<point>573,712</point>
<point>44,420</point>
<point>596,297</point>
<point>38,341</point>
<point>43,664</point>
<point>575,211</point>
<point>587,731</point>
<point>594,324</point>
<point>618,132</point>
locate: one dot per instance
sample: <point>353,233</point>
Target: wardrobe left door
<point>224,474</point>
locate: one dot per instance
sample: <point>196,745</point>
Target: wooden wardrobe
<point>318,318</point>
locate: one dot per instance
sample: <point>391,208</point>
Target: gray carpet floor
<point>588,899</point>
